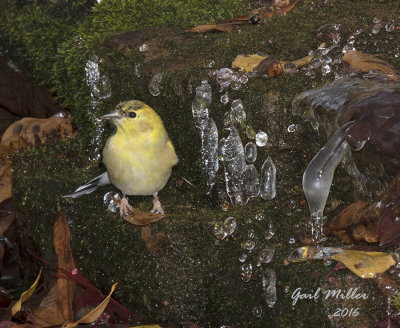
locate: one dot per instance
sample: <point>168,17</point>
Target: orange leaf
<point>65,288</point>
<point>94,314</point>
<point>366,63</point>
<point>139,218</point>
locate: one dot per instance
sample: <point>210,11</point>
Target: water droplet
<point>327,262</point>
<point>225,98</point>
<point>292,128</point>
<point>219,231</point>
<point>136,70</point>
<point>250,151</point>
<point>325,69</point>
<point>268,180</point>
<point>261,139</point>
<point>251,234</point>
<point>257,311</point>
<point>224,77</point>
<point>269,287</point>
<point>243,257</point>
<point>376,20</point>
<point>230,225</point>
<point>143,47</point>
<point>224,229</point>
<point>266,254</point>
<point>249,245</point>
<point>244,79</point>
<point>251,182</point>
<point>200,104</point>
<point>376,28</point>
<point>209,152</point>
<point>259,217</point>
<point>154,85</point>
<point>286,289</point>
<point>270,232</point>
<point>389,27</point>
<point>235,85</point>
<point>237,109</point>
<point>211,64</point>
<point>110,199</point>
<point>292,240</point>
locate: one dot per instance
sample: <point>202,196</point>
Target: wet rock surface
<point>196,275</point>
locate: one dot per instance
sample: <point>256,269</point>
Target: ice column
<point>317,178</point>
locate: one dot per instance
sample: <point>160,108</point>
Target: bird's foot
<point>124,207</point>
<point>157,208</point>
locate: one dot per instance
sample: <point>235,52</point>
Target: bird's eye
<point>132,114</point>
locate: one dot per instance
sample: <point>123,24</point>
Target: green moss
<point>194,273</point>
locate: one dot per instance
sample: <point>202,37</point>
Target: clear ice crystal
<point>268,180</point>
<point>249,245</point>
<point>200,104</point>
<point>92,71</point>
<point>292,128</point>
<point>224,98</point>
<point>209,152</point>
<point>232,153</point>
<point>250,151</point>
<point>237,109</point>
<point>225,229</point>
<point>110,199</point>
<point>269,287</point>
<point>224,77</point>
<point>261,139</point>
<point>266,254</point>
<point>143,47</point>
<point>317,177</point>
<point>154,85</point>
<point>251,183</point>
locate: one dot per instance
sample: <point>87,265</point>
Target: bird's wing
<point>91,186</point>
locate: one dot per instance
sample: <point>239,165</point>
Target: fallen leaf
<point>249,63</point>
<point>25,295</point>
<point>139,218</point>
<point>94,314</point>
<point>269,66</point>
<point>212,28</point>
<point>34,130</point>
<point>25,133</point>
<point>365,264</point>
<point>49,312</point>
<point>65,288</point>
<point>371,223</point>
<point>278,7</point>
<point>6,222</point>
<point>151,241</point>
<point>388,227</point>
<point>366,63</point>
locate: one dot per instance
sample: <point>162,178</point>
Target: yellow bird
<point>139,156</point>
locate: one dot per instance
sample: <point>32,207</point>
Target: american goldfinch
<point>139,156</point>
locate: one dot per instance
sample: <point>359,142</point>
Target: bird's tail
<point>91,186</point>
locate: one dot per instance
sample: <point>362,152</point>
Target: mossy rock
<point>194,276</point>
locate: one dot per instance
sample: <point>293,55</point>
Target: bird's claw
<point>157,208</point>
<point>124,207</point>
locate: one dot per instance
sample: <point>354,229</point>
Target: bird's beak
<point>113,117</point>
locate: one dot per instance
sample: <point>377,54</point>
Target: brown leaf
<point>366,63</point>
<point>49,312</point>
<point>34,130</point>
<point>269,66</point>
<point>5,222</point>
<point>5,177</point>
<point>65,288</point>
<point>139,218</point>
<point>212,28</point>
<point>94,314</point>
<point>151,241</point>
